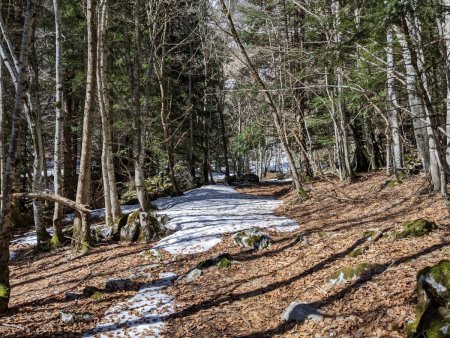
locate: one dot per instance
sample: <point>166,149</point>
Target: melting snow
<point>201,216</point>
<point>140,316</point>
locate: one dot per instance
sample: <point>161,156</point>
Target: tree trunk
<point>59,120</point>
<point>12,161</point>
<point>393,104</point>
<point>81,234</point>
<point>415,105</point>
<point>112,206</point>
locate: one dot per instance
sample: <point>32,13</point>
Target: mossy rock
<point>416,228</point>
<point>350,272</point>
<point>252,239</point>
<point>224,260</point>
<point>97,295</point>
<point>432,310</point>
<point>133,217</point>
<point>322,234</point>
<point>115,231</point>
<point>435,280</point>
<point>357,252</point>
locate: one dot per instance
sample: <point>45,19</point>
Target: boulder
<point>222,261</point>
<point>300,312</point>
<point>149,227</point>
<point>118,284</point>
<point>351,272</point>
<point>115,229</point>
<point>433,307</point>
<point>416,228</point>
<point>252,239</point>
<point>130,232</point>
<point>69,318</point>
<point>154,255</point>
<point>250,178</point>
<point>192,275</point>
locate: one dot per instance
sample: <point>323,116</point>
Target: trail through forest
<point>199,218</point>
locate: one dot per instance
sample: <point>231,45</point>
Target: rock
<point>118,284</point>
<point>433,293</point>
<point>222,261</point>
<point>163,219</point>
<point>130,232</point>
<point>192,275</point>
<point>416,228</point>
<point>252,239</point>
<point>154,255</point>
<point>140,275</point>
<point>300,312</point>
<point>72,317</point>
<point>72,295</point>
<point>150,228</point>
<point>250,178</point>
<point>88,291</point>
<point>115,229</point>
<point>350,272</point>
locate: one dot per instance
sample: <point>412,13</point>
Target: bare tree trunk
<point>393,104</point>
<point>81,234</point>
<point>59,120</point>
<point>274,110</point>
<point>112,205</point>
<point>415,105</point>
<point>412,27</point>
<point>12,162</point>
<point>138,151</point>
<point>344,166</point>
<point>2,127</point>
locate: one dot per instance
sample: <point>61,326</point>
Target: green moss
<point>436,280</point>
<point>367,234</point>
<point>4,291</point>
<point>416,228</point>
<point>357,252</point>
<point>392,183</point>
<point>224,263</point>
<point>132,217</point>
<point>302,194</point>
<point>350,272</point>
<point>97,295</point>
<point>322,234</point>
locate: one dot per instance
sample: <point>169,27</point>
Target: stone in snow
<point>299,312</point>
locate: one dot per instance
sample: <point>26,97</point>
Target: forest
<point>224,168</point>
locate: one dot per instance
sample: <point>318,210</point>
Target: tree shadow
<point>370,275</point>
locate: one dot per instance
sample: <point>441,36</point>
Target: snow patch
<point>140,316</point>
<point>444,329</point>
<point>430,280</point>
<point>202,216</point>
<point>340,279</point>
<point>12,255</point>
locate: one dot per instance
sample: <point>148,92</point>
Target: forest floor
<point>247,299</point>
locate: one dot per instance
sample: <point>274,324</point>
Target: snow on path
<point>140,316</point>
<point>202,216</point>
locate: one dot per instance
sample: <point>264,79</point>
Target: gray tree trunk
<point>81,234</point>
<point>11,164</point>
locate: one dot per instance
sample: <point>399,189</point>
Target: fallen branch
<point>51,197</point>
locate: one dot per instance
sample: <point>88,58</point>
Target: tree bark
<point>12,161</point>
<point>112,206</point>
<point>59,125</point>
<point>82,235</point>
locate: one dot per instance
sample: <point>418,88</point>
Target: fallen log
<point>53,198</point>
